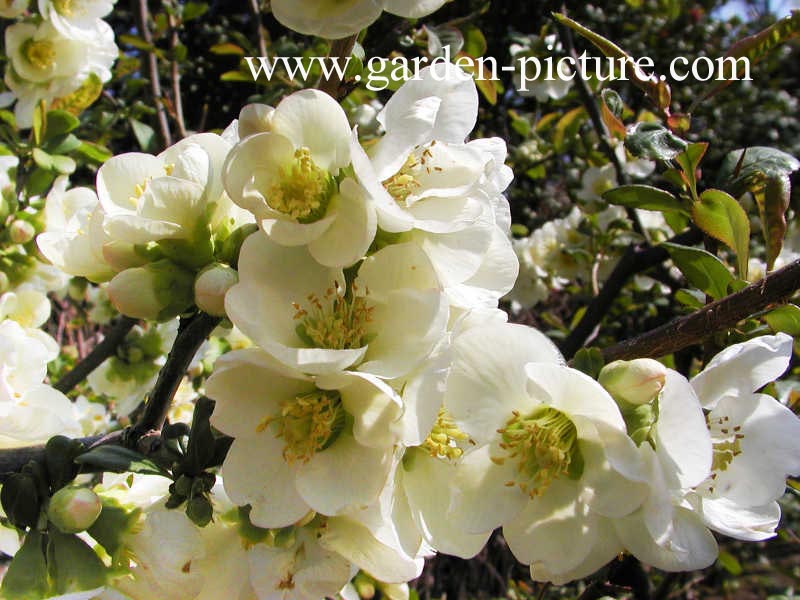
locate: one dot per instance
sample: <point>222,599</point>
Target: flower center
<point>139,188</point>
<point>303,190</point>
<point>726,441</point>
<point>307,423</point>
<point>64,7</point>
<point>444,437</point>
<point>405,183</point>
<point>545,447</point>
<point>334,321</point>
<point>40,53</point>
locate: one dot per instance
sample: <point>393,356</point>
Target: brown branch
<point>340,50</point>
<point>13,459</point>
<point>637,258</point>
<point>98,354</point>
<point>175,77</point>
<point>260,31</point>
<point>701,324</point>
<point>142,17</point>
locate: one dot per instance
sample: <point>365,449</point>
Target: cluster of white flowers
<point>53,54</point>
<point>154,223</point>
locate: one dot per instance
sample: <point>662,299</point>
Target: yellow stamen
<point>444,437</point>
<point>303,190</point>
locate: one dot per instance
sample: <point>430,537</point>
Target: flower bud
<point>210,287</point>
<point>21,232</point>
<point>74,509</point>
<point>636,382</point>
<point>156,292</point>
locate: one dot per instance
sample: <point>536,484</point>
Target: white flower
<point>340,19</point>
<point>595,181</point>
<point>75,18</point>
<point>176,196</point>
<point>548,440</point>
<point>542,88</point>
<point>676,451</point>
<point>756,439</point>
<point>30,411</point>
<point>423,179</point>
<point>301,444</point>
<point>27,306</point>
<point>285,173</point>
<point>300,312</point>
<point>74,238</point>
<point>45,65</point>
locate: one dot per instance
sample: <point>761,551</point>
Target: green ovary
<point>303,190</point>
<point>544,445</point>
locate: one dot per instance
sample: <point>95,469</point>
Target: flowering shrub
<point>302,355</point>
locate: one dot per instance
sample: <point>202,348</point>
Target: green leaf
<point>656,89</point>
<point>60,122</point>
<point>764,172</point>
<point>145,135</point>
<point>690,298</point>
<point>702,269</point>
<point>226,49</point>
<point>82,98</point>
<point>193,10</point>
<point>136,42</point>
<point>236,76</point>
<point>62,144</point>
<point>754,48</point>
<point>42,159</point>
<point>689,160</point>
<point>723,218</point>
<point>72,564</point>
<point>21,500</point>
<point>644,196</point>
<point>119,460</point>
<point>474,41</point>
<point>64,164</point>
<point>26,577</point>
<point>60,453</point>
<point>589,361</point>
<point>569,123</point>
<point>785,318</point>
<point>653,140</point>
<point>38,122</point>
<point>93,152</point>
<point>728,562</point>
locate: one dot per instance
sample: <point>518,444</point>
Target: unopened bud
<point>210,287</point>
<point>21,232</point>
<point>74,509</point>
<point>156,292</point>
<point>636,381</point>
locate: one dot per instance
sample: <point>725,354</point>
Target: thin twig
<point>260,31</point>
<point>588,100</point>
<point>701,324</point>
<point>637,258</point>
<point>142,17</point>
<point>98,354</point>
<point>340,50</point>
<point>175,77</point>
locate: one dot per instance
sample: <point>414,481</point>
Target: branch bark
<point>142,17</point>
<point>637,258</point>
<point>340,50</point>
<point>189,340</point>
<point>701,324</point>
<point>98,354</point>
